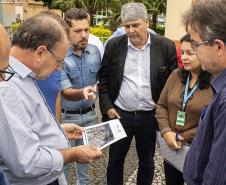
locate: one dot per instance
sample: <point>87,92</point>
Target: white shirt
<point>94,40</point>
<point>135,92</point>
<point>30,137</point>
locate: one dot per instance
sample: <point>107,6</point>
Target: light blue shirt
<point>79,72</point>
<point>135,91</point>
<point>30,136</point>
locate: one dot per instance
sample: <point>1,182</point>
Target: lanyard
<point>186,95</point>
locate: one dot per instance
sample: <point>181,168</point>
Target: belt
<point>136,112</point>
<point>80,111</point>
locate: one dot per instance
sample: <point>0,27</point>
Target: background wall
<point>174,29</point>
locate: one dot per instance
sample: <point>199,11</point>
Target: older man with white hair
<point>134,70</point>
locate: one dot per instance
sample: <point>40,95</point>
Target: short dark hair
<point>208,18</point>
<point>204,76</point>
<point>38,30</point>
<point>75,14</point>
<point>186,38</point>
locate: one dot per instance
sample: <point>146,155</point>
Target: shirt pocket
<point>162,76</point>
<point>93,73</point>
<point>75,77</point>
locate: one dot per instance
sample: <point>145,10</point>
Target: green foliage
<point>91,6</point>
<point>101,32</point>
<point>14,26</point>
<point>160,29</point>
<point>154,8</point>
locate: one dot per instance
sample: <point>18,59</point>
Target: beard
<point>81,45</point>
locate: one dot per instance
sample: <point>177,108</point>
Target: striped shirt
<point>170,102</point>
<point>29,134</point>
<point>205,163</point>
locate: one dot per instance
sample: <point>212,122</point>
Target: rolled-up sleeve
<point>64,79</point>
<point>20,148</point>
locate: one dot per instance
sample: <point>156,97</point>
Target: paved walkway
<point>98,169</point>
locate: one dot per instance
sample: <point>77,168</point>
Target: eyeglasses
<point>59,61</point>
<point>194,44</point>
<point>7,73</point>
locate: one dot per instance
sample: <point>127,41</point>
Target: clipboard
<point>175,158</point>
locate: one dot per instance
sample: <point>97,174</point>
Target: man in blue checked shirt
<point>34,147</point>
<point>205,163</point>
<point>79,77</point>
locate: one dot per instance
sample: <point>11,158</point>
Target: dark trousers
<point>54,183</point>
<point>172,175</point>
<point>142,125</point>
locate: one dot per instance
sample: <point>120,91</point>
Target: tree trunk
<point>91,19</point>
<point>154,21</point>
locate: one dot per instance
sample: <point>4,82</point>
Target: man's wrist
<point>68,155</point>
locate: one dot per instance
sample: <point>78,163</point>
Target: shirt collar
<point>219,81</point>
<point>21,69</point>
<point>71,51</point>
<point>148,43</point>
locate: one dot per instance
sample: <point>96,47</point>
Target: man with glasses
<point>5,75</point>
<point>33,147</point>
<point>78,77</point>
<point>134,70</point>
<point>205,162</point>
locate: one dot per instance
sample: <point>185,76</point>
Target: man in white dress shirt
<point>133,72</point>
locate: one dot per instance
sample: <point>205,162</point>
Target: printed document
<point>175,158</point>
<point>103,134</point>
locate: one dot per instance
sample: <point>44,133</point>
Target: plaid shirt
<point>29,134</point>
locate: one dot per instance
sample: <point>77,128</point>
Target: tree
<point>90,6</point>
<point>154,8</point>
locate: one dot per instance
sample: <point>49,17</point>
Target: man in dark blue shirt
<point>205,163</point>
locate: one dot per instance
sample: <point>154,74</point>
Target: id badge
<point>180,118</point>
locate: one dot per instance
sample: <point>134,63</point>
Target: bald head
<point>4,48</point>
<point>40,43</point>
<point>39,30</point>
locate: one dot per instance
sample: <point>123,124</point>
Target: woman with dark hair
<point>186,92</point>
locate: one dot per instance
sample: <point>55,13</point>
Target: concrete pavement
<point>98,169</point>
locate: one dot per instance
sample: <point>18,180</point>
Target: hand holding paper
<point>103,134</point>
<point>172,140</point>
<point>175,158</point>
<point>72,131</point>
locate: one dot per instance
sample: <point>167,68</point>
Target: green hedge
<point>14,26</point>
<point>101,32</point>
<point>160,29</point>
